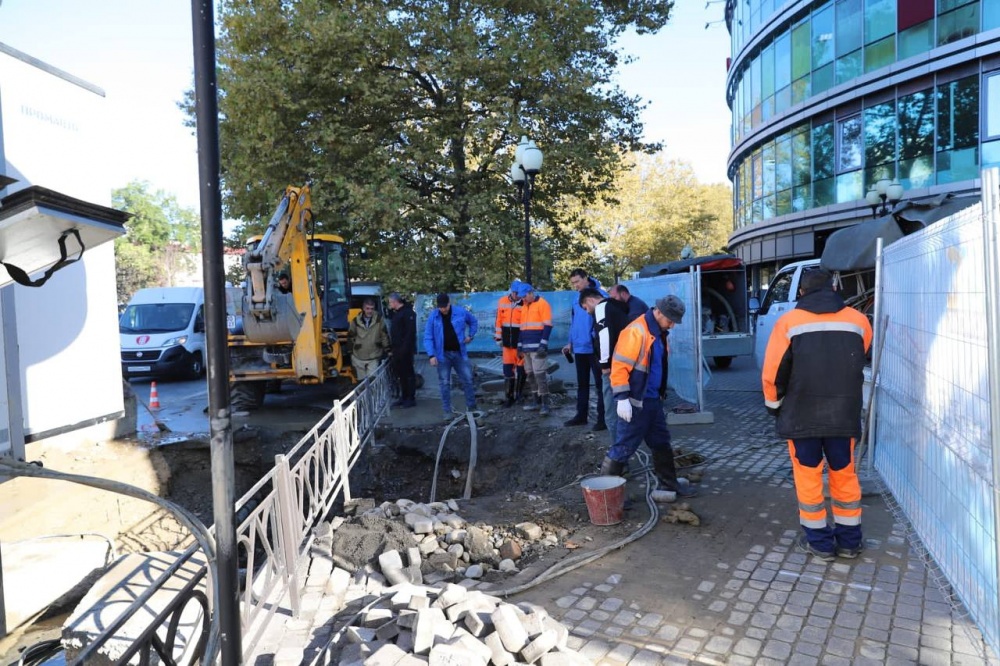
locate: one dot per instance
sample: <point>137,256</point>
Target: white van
<point>162,333</point>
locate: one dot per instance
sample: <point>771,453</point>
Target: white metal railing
<point>300,491</point>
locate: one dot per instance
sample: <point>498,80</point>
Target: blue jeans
<point>610,408</point>
<point>454,359</point>
<point>647,424</point>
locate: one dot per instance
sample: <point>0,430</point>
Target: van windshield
<point>155,318</point>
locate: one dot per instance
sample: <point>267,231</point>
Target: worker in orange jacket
<point>506,334</point>
<point>813,378</point>
<point>639,384</point>
<point>533,345</point>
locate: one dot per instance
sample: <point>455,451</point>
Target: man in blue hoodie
<point>581,346</point>
<point>447,332</point>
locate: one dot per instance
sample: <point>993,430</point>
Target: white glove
<point>625,410</point>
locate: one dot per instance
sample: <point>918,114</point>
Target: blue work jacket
<point>434,330</point>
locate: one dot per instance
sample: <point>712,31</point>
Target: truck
<point>162,333</point>
<point>293,309</point>
<point>781,296</point>
<point>725,314</point>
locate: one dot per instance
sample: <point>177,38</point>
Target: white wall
<point>67,331</point>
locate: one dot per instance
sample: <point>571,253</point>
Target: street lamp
<point>883,195</point>
<point>527,164</point>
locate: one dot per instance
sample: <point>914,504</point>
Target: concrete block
<point>405,640</point>
<point>387,655</point>
<point>529,531</point>
<point>456,612</point>
<point>289,656</point>
<point>376,617</point>
<point>478,623</point>
<point>406,618</point>
<point>428,547</point>
<point>413,574</point>
<point>401,600</point>
<point>453,655</point>
<point>558,659</point>
<point>499,655</point>
<point>351,654</point>
<point>562,633</point>
<point>452,505</point>
<point>396,575</point>
<point>359,635</point>
<point>532,623</point>
<point>411,660</point>
<point>453,521</point>
<point>536,648</point>
<point>413,556</point>
<point>456,536</point>
<point>426,628</point>
<point>450,595</point>
<point>418,601</point>
<point>390,559</point>
<point>698,418</point>
<point>387,631</point>
<point>508,626</point>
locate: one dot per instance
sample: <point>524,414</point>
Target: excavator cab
<point>334,289</point>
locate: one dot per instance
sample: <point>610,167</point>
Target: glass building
<point>830,97</point>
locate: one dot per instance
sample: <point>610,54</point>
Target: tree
<point>160,239</point>
<point>658,207</point>
<point>403,115</point>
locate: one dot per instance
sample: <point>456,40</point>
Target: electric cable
<point>473,451</point>
<point>198,530</point>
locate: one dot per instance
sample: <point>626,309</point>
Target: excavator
<point>293,307</point>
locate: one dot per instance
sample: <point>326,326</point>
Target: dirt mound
<point>360,540</point>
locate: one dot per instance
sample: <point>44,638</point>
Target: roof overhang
<point>40,228</point>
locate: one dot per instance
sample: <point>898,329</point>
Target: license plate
<point>230,322</point>
<point>139,368</point>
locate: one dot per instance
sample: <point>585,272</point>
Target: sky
<point>140,53</point>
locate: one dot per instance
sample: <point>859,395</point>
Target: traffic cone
<point>154,397</point>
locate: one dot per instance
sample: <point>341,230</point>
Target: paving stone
<point>668,632</point>
<point>622,652</point>
<point>763,620</point>
<point>777,650</point>
<point>719,644</point>
<point>612,605</point>
<point>904,638</point>
<point>931,657</point>
<point>595,649</point>
<point>687,646</point>
<point>566,602</point>
<point>587,603</point>
<point>807,648</point>
<point>651,620</point>
<point>645,658</point>
<point>747,647</point>
<point>600,616</point>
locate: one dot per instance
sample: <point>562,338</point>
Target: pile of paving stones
<point>451,626</point>
<point>428,543</point>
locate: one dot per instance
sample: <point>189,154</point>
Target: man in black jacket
<point>403,346</point>
<point>610,317</point>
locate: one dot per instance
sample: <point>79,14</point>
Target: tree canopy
<point>160,239</point>
<point>658,207</point>
<point>403,115</point>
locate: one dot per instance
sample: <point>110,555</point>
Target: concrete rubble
<point>410,542</point>
<point>410,624</point>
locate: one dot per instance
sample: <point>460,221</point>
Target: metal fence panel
<point>934,443</point>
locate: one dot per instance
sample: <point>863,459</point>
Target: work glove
<point>625,410</point>
<point>542,353</point>
<point>498,341</point>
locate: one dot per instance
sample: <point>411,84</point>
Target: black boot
<point>532,406</point>
<point>508,389</point>
<point>522,379</point>
<point>544,411</point>
<point>666,472</point>
<point>611,467</point>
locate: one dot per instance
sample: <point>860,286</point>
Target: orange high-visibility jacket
<point>630,362</point>
<point>536,325</point>
<point>508,322</point>
<point>813,372</point>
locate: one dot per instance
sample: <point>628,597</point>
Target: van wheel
<point>246,396</point>
<point>722,362</point>
<point>197,367</point>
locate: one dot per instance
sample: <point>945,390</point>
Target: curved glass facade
<point>828,97</point>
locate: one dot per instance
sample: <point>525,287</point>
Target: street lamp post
<point>527,164</point>
<point>883,195</point>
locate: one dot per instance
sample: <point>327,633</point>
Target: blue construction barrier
<point>684,340</point>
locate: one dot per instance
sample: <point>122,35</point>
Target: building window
<point>800,165</point>
<point>880,54</point>
<point>767,82</point>
<point>822,37</point>
<point>957,19</point>
<point>850,153</point>
<point>824,158</point>
<point>915,117</point>
<point>992,106</point>
<point>880,142</point>
<point>958,130</point>
<point>849,26</point>
<point>916,40</point>
<point>880,19</point>
<point>991,14</point>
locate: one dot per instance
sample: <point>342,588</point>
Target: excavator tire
<point>246,396</point>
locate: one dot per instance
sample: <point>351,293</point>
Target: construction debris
<point>415,624</point>
<point>682,513</point>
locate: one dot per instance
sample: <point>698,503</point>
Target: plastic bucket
<point>605,497</point>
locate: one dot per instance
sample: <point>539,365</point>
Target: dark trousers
<point>402,366</point>
<point>587,367</point>
<point>649,425</point>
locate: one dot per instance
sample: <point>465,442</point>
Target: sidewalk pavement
<point>735,590</point>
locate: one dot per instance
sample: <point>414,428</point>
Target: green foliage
<point>160,240</point>
<point>403,115</point>
<point>658,207</point>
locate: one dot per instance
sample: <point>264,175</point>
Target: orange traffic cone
<point>154,397</point>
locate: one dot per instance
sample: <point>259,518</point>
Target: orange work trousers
<point>808,455</point>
